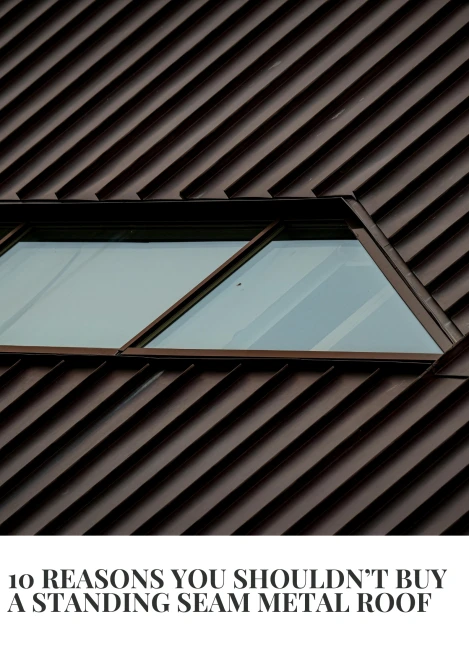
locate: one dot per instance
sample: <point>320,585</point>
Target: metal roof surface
<point>143,445</point>
<point>160,99</point>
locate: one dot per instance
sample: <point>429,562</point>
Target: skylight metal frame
<point>328,215</point>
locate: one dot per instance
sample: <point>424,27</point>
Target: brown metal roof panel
<point>265,446</point>
<point>45,404</point>
<point>37,38</point>
<point>146,75</point>
<point>101,93</point>
<point>18,16</point>
<point>75,450</point>
<point>121,445</point>
<point>438,266</point>
<point>116,68</point>
<point>155,463</point>
<point>428,195</point>
<point>45,71</point>
<point>315,451</point>
<point>416,102</point>
<point>205,511</point>
<point>410,467</point>
<point>216,449</point>
<point>461,318</point>
<point>345,113</point>
<point>293,505</point>
<point>455,362</point>
<point>282,110</point>
<point>274,85</point>
<point>407,512</point>
<point>397,183</point>
<point>109,427</point>
<point>435,230</point>
<point>296,137</point>
<point>117,439</point>
<point>454,291</point>
<point>189,441</point>
<point>124,440</point>
<point>38,444</point>
<point>447,515</point>
<point>184,100</point>
<point>20,384</point>
<point>8,368</point>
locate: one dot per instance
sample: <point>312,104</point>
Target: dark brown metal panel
<point>447,514</point>
<point>9,366</point>
<point>433,504</point>
<point>169,446</point>
<point>213,459</point>
<point>426,464</point>
<point>221,99</point>
<point>22,383</point>
<point>339,479</point>
<point>45,404</point>
<point>159,460</point>
<point>269,453</point>
<point>18,459</point>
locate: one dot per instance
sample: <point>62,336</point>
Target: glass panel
<point>95,293</point>
<point>325,295</point>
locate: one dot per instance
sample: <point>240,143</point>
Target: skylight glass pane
<point>97,294</point>
<point>325,295</point>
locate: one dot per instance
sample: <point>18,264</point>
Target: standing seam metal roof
<point>162,99</point>
<point>121,445</point>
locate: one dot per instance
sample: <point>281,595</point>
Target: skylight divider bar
<point>205,286</point>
